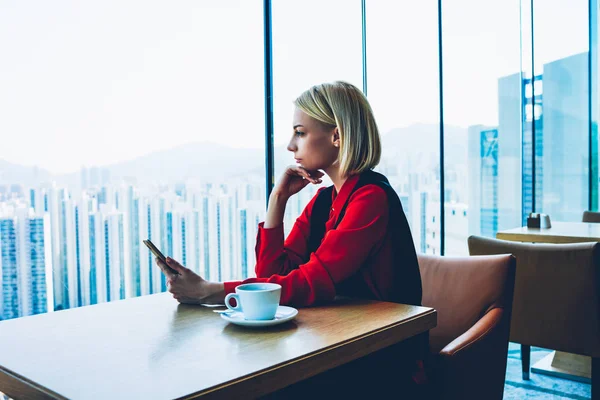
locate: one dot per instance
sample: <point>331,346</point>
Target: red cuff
<point>230,286</point>
<point>270,235</point>
<point>322,287</point>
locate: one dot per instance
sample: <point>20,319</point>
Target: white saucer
<point>283,314</point>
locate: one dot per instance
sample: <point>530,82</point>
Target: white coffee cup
<point>258,301</point>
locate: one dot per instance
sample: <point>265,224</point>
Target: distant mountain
<point>201,160</point>
<point>417,145</point>
<point>423,137</point>
<point>19,174</point>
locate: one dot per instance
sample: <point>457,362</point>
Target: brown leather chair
<point>557,297</point>
<point>591,216</point>
<point>473,297</point>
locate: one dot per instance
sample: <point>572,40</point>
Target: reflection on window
<point>481,61</point>
<point>561,110</point>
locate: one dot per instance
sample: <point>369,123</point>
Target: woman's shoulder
<point>370,194</point>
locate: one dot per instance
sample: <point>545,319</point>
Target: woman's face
<point>315,146</point>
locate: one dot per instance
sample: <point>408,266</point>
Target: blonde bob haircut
<point>342,105</point>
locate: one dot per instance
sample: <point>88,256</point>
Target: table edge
<point>428,318</point>
<point>532,237</point>
<point>17,386</point>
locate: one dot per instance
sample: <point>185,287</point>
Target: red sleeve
<point>341,254</point>
<point>273,256</point>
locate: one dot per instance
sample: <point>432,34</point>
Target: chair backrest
<point>557,301</point>
<point>590,216</point>
<point>462,290</point>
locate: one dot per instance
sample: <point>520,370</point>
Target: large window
<point>403,89</point>
<point>313,42</point>
<point>124,121</point>
<point>482,119</point>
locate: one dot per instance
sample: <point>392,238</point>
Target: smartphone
<point>159,255</point>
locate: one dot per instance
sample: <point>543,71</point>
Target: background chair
<point>557,298</point>
<point>469,346</point>
<point>590,216</point>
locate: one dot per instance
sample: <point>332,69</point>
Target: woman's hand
<point>189,287</point>
<point>294,179</point>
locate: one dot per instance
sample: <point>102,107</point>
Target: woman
<point>351,239</point>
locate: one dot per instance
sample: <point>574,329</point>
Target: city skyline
<point>90,241</point>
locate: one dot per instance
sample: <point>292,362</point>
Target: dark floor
<point>539,386</point>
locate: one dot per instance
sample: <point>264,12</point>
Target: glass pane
<point>403,88</point>
<point>561,65</point>
<point>482,119</point>
<point>313,42</point>
<point>529,125</point>
<point>124,122</point>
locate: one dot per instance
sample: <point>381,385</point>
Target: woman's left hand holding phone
<point>189,287</point>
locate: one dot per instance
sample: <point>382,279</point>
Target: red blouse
<point>359,245</point>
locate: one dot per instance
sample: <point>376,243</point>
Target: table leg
<point>596,378</point>
<point>525,361</point>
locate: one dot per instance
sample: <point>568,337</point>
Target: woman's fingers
<point>315,176</point>
<point>164,269</point>
<point>177,266</point>
<point>307,175</point>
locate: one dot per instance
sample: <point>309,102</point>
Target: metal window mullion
<point>364,44</point>
<point>442,169</point>
<point>268,54</point>
<point>533,133</point>
<point>592,101</point>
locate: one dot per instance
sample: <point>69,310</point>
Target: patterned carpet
<point>539,386</point>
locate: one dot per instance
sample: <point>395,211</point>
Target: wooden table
<point>560,232</point>
<point>558,363</point>
<point>153,348</point>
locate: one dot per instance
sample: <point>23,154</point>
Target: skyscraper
<point>97,274</point>
<point>249,218</point>
<point>483,179</point>
<point>565,126</point>
<point>550,112</point>
<point>8,262</point>
<point>500,185</point>
<point>116,259</point>
<point>68,251</point>
<point>147,266</point>
<point>84,248</point>
<point>25,264</point>
<point>40,260</point>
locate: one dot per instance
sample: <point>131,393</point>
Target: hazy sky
<point>93,83</point>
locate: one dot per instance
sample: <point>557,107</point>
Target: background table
<point>153,348</point>
<point>560,232</point>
